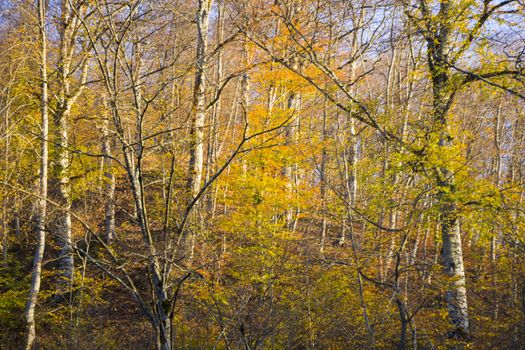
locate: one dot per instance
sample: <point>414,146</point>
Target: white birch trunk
<point>290,170</point>
<point>41,202</point>
<point>109,205</point>
<point>322,178</point>
<point>199,99</point>
<point>213,139</point>
<point>68,26</point>
<point>451,252</point>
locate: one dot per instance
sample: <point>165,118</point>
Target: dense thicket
<point>266,174</point>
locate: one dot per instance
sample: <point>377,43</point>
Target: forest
<point>262,174</point>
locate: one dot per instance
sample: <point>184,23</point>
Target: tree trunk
<point>452,260</point>
<point>496,173</point>
<point>451,252</point>
<point>199,99</point>
<point>41,202</point>
<point>68,26</point>
<point>63,197</point>
<point>322,177</point>
<point>290,170</point>
<point>109,205</point>
<point>199,114</point>
<point>164,333</point>
<point>213,139</point>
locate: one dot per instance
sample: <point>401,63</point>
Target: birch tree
<point>71,63</point>
<point>199,99</point>
<point>439,25</point>
<point>263,174</point>
<point>42,192</point>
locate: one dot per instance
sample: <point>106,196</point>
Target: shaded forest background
<point>266,174</point>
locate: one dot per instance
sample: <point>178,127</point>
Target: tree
<point>68,90</point>
<point>42,193</point>
<point>444,53</point>
<point>264,174</point>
